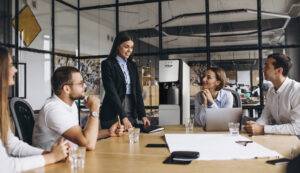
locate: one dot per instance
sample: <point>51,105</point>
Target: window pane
<point>90,70</point>
<point>148,75</point>
<point>6,13</point>
<point>123,1</point>
<point>141,22</point>
<point>35,28</point>
<point>38,74</point>
<point>72,2</point>
<point>183,24</point>
<point>281,23</point>
<point>65,29</point>
<point>294,54</point>
<point>88,3</point>
<point>97,28</point>
<point>233,22</point>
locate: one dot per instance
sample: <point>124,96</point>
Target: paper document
<point>218,146</point>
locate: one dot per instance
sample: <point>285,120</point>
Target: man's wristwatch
<point>95,114</point>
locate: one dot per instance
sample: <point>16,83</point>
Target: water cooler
<point>174,92</point>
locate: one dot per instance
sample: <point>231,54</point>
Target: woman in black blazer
<point>123,95</point>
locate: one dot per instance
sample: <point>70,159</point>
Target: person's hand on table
<point>127,124</point>
<point>116,130</point>
<point>59,151</point>
<point>146,121</point>
<point>253,128</point>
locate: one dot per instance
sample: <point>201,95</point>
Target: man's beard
<point>76,97</point>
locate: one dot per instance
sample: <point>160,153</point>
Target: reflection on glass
<point>47,63</point>
<point>141,21</point>
<point>183,24</point>
<point>65,29</point>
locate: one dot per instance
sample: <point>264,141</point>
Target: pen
<point>244,143</point>
<point>119,121</point>
<point>265,157</point>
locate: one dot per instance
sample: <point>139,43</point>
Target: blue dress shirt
<point>223,100</point>
<point>123,64</point>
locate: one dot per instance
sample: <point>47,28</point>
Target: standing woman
<point>16,155</point>
<point>123,95</point>
<point>212,94</point>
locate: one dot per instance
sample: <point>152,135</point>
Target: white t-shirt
<point>55,118</point>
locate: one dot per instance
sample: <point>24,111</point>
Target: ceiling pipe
<point>230,35</point>
<point>292,7</point>
<point>287,17</point>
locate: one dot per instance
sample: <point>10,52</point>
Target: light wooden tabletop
<point>117,155</point>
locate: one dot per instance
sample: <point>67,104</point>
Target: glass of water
<point>189,124</point>
<point>77,157</point>
<point>233,128</point>
<point>134,135</point>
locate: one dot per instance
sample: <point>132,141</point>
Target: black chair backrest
<point>237,103</point>
<point>22,114</point>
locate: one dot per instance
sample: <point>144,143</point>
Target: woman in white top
<point>212,94</point>
<point>16,155</point>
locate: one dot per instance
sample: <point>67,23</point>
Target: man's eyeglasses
<point>81,83</point>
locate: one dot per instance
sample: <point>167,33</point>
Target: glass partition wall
<point>234,35</point>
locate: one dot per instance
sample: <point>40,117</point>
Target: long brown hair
<point>4,87</point>
<point>220,76</point>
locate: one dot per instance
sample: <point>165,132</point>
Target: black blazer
<point>115,89</point>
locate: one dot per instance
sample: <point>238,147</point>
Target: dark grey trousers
<point>127,106</point>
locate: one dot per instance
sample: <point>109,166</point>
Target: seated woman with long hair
<point>212,94</point>
<point>16,155</point>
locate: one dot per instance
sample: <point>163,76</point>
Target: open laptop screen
<point>218,119</point>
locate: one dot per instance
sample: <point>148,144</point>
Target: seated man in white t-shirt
<point>281,114</point>
<point>59,116</point>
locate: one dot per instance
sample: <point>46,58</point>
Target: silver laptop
<point>218,119</point>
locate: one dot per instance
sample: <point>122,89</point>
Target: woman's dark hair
<point>220,76</point>
<point>283,61</point>
<point>120,38</point>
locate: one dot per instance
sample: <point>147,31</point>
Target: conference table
<point>115,154</point>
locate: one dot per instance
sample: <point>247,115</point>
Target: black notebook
<point>181,157</point>
<point>150,129</point>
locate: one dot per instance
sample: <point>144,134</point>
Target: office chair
<point>237,103</point>
<point>22,115</point>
